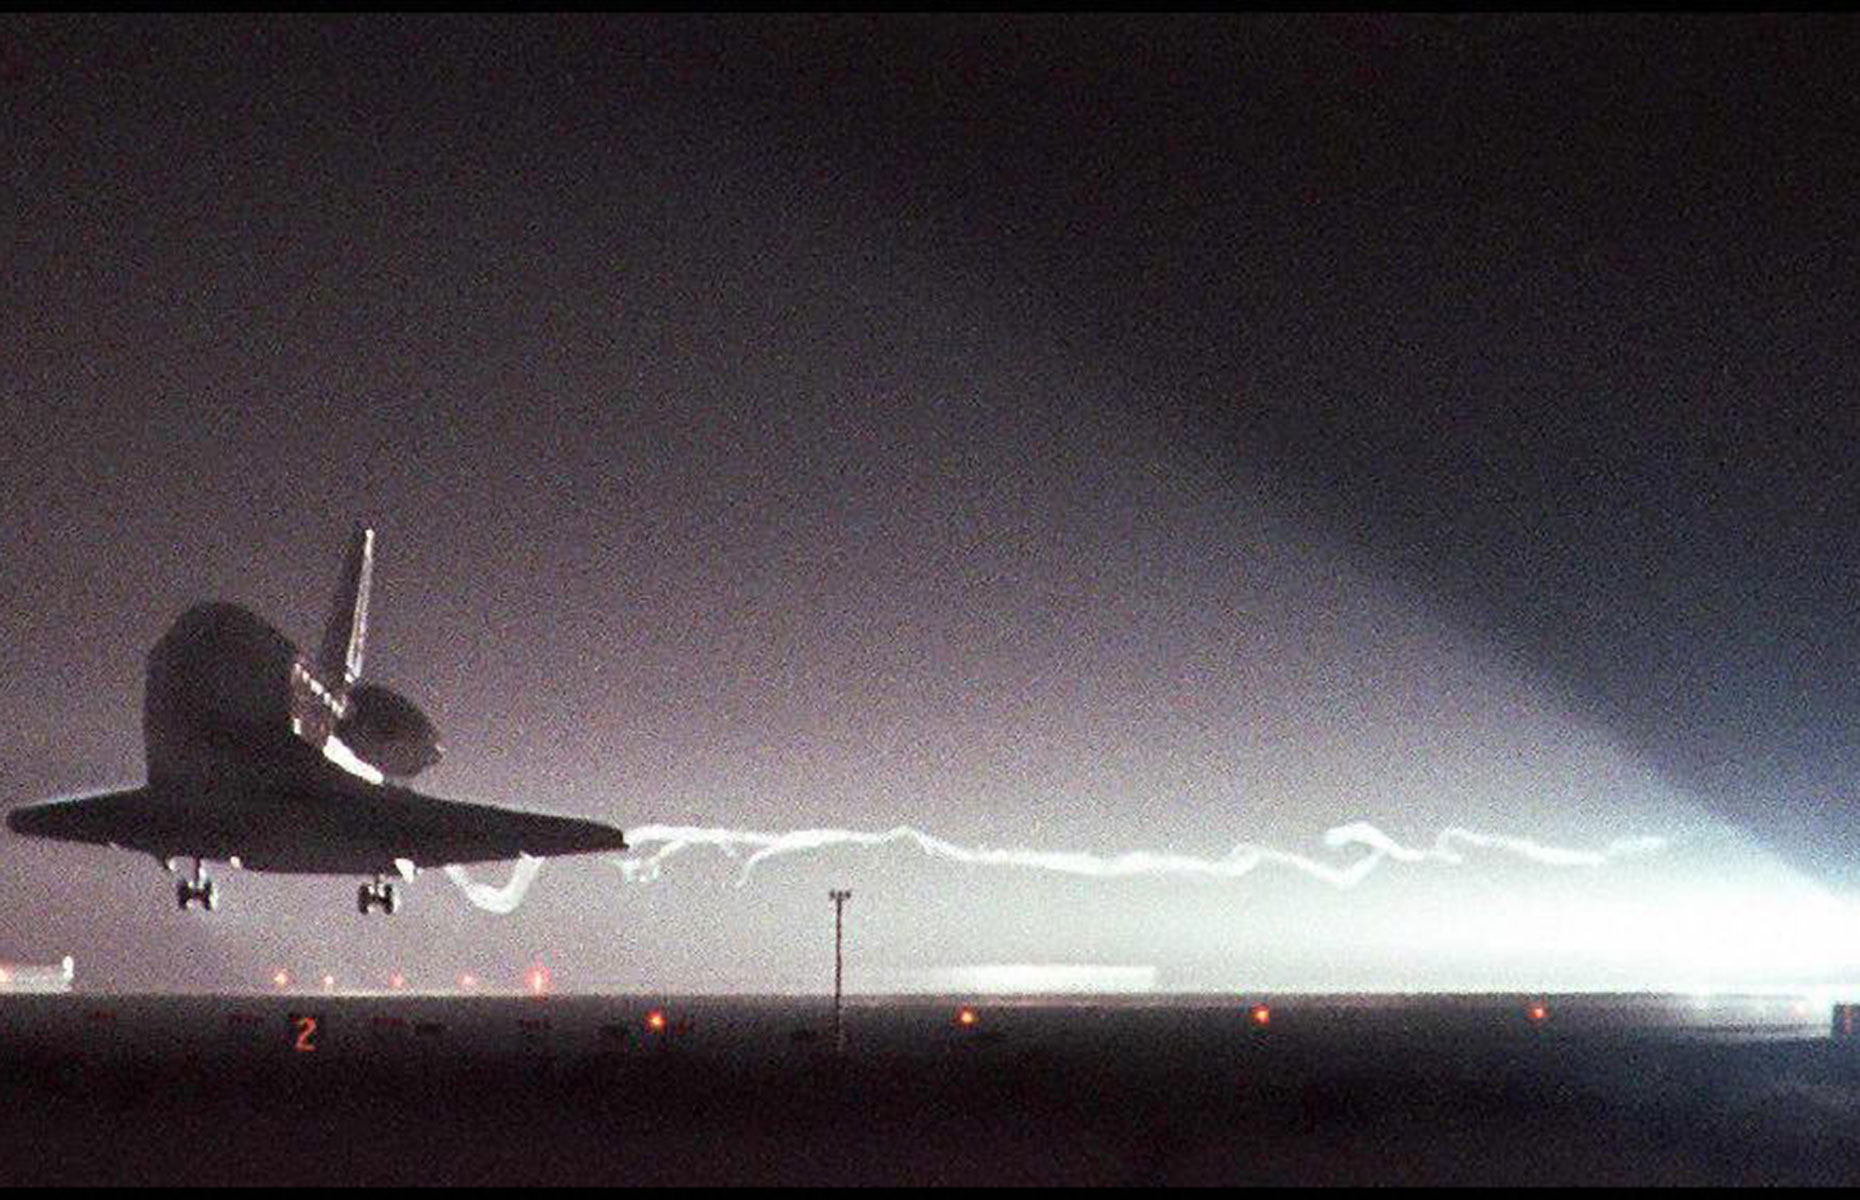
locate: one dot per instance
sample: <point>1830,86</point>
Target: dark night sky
<point>1068,434</point>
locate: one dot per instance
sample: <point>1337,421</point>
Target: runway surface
<point>417,1089</point>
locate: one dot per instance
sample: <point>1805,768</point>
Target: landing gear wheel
<point>198,890</point>
<point>378,894</point>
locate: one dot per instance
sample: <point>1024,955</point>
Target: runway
<point>432,1089</point>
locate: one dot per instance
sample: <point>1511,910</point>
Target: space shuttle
<point>268,759</point>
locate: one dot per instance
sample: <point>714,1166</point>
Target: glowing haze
<point>1185,504</point>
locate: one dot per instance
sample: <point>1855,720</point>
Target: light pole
<point>839,896</point>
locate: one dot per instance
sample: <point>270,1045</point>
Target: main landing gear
<point>199,889</point>
<point>380,894</point>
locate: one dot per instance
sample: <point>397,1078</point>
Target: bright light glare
<point>967,1017</point>
<point>655,1021</point>
<point>336,751</point>
<point>281,978</point>
<point>1693,935</point>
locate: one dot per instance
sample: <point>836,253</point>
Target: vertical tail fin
<point>339,662</point>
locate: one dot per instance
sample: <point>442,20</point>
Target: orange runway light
<point>968,1018</point>
<point>1261,1015</point>
<point>655,1021</point>
<point>281,978</point>
<point>538,980</point>
<point>467,982</point>
<point>1538,1013</point>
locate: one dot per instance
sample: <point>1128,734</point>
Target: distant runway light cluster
<point>658,843</point>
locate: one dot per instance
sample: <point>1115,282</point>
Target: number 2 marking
<point>306,1034</point>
